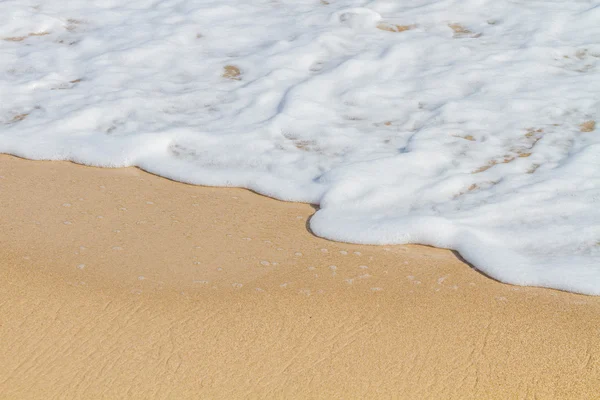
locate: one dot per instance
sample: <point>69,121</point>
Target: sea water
<point>465,124</point>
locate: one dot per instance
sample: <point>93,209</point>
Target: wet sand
<point>115,283</point>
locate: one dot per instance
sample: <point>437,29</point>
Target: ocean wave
<point>468,125</point>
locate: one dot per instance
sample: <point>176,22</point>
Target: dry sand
<point>120,284</point>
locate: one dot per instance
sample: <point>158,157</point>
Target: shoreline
<point>119,283</point>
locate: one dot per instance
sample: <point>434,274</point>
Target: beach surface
<point>115,283</point>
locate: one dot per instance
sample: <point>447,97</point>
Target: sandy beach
<point>115,283</point>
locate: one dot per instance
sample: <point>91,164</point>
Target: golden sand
<point>120,284</point>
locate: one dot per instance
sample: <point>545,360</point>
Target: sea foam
<point>467,124</point>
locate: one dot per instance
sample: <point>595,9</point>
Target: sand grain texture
<point>120,284</point>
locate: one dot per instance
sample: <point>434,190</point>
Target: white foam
<point>392,133</point>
